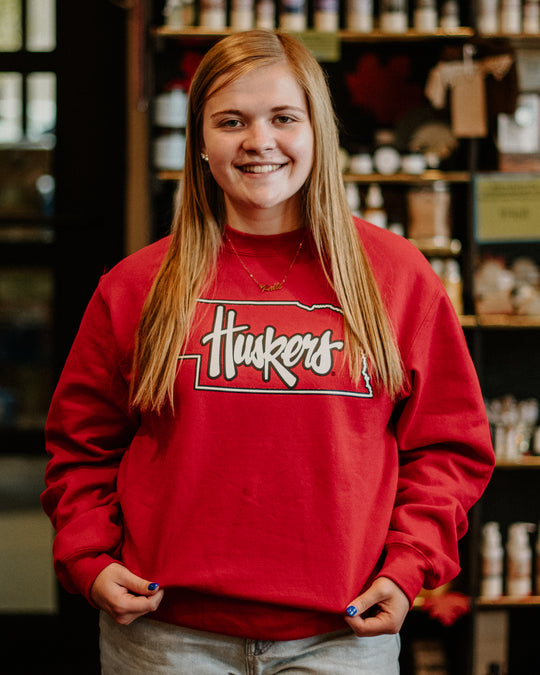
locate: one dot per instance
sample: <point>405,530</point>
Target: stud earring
<point>204,156</point>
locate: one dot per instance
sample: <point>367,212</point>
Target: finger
<point>380,623</point>
<point>134,606</point>
<point>367,603</point>
<point>380,610</point>
<point>124,595</point>
<point>135,584</point>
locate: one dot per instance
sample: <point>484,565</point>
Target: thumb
<point>136,584</point>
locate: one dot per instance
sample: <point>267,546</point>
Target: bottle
<point>353,198</point>
<point>453,284</point>
<point>511,16</point>
<point>374,211</point>
<point>394,16</point>
<point>265,14</point>
<point>449,14</point>
<point>386,157</point>
<point>531,17</point>
<point>425,16</point>
<point>359,16</point>
<point>488,16</point>
<point>169,151</point>
<point>293,15</point>
<point>213,14</point>
<point>491,585</point>
<point>519,560</point>
<point>173,14</point>
<point>429,212</point>
<point>242,14</point>
<point>326,15</point>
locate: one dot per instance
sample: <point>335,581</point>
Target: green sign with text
<point>507,207</point>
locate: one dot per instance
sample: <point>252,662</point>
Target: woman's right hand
<point>123,595</point>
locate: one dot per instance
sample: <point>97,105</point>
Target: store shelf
<point>411,35</point>
<point>467,321</point>
<point>507,321</point>
<point>510,601</point>
<point>409,179</point>
<point>405,178</point>
<point>205,33</point>
<point>438,246</point>
<point>499,321</point>
<point>523,462</point>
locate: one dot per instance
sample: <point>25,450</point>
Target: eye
<point>284,119</point>
<point>230,124</point>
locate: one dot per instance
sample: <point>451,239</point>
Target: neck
<point>277,220</point>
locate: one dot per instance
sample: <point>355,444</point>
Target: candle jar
<point>429,212</point>
<point>394,16</point>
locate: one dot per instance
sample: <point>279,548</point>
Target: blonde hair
<point>200,217</point>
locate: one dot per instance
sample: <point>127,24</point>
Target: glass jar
<point>429,212</point>
<point>394,16</point>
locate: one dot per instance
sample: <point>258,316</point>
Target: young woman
<point>268,431</point>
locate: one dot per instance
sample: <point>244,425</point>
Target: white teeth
<point>258,168</point>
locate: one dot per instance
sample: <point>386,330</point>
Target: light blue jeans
<point>148,647</point>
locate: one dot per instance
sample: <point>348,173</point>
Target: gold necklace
<point>278,285</point>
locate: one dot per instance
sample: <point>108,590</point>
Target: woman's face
<point>259,141</point>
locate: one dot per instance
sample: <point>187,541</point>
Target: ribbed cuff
<point>406,568</point>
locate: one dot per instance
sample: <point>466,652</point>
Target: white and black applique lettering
<point>243,353</point>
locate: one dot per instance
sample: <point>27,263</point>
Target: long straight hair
<point>199,221</point>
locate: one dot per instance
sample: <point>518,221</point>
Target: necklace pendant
<point>270,287</point>
<point>266,288</point>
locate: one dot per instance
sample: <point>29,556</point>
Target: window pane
<point>26,382</point>
<point>26,183</point>
<point>26,536</point>
<point>10,107</point>
<point>10,25</point>
<point>41,25</point>
<point>41,107</point>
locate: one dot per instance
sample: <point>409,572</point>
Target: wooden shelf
<point>499,321</point>
<point>468,321</point>
<point>405,178</point>
<point>205,32</point>
<point>429,176</point>
<point>523,462</point>
<point>411,35</point>
<point>507,321</point>
<point>510,601</point>
<point>438,246</point>
<point>169,175</point>
<point>503,601</point>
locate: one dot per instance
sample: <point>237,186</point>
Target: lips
<point>260,168</point>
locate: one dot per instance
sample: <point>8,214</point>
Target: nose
<point>259,138</point>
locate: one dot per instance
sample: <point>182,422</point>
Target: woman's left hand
<point>380,610</point>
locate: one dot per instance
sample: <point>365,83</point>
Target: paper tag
<point>468,104</point>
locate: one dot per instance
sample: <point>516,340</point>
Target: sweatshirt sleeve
<point>88,429</point>
<point>445,454</point>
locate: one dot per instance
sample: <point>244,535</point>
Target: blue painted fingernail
<point>352,611</point>
<point>153,586</point>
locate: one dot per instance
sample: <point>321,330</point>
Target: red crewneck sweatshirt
<point>278,489</point>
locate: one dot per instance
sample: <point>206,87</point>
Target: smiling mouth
<point>260,168</point>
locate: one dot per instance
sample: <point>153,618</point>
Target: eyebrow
<point>276,109</point>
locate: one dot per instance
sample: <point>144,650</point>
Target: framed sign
<point>506,207</point>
